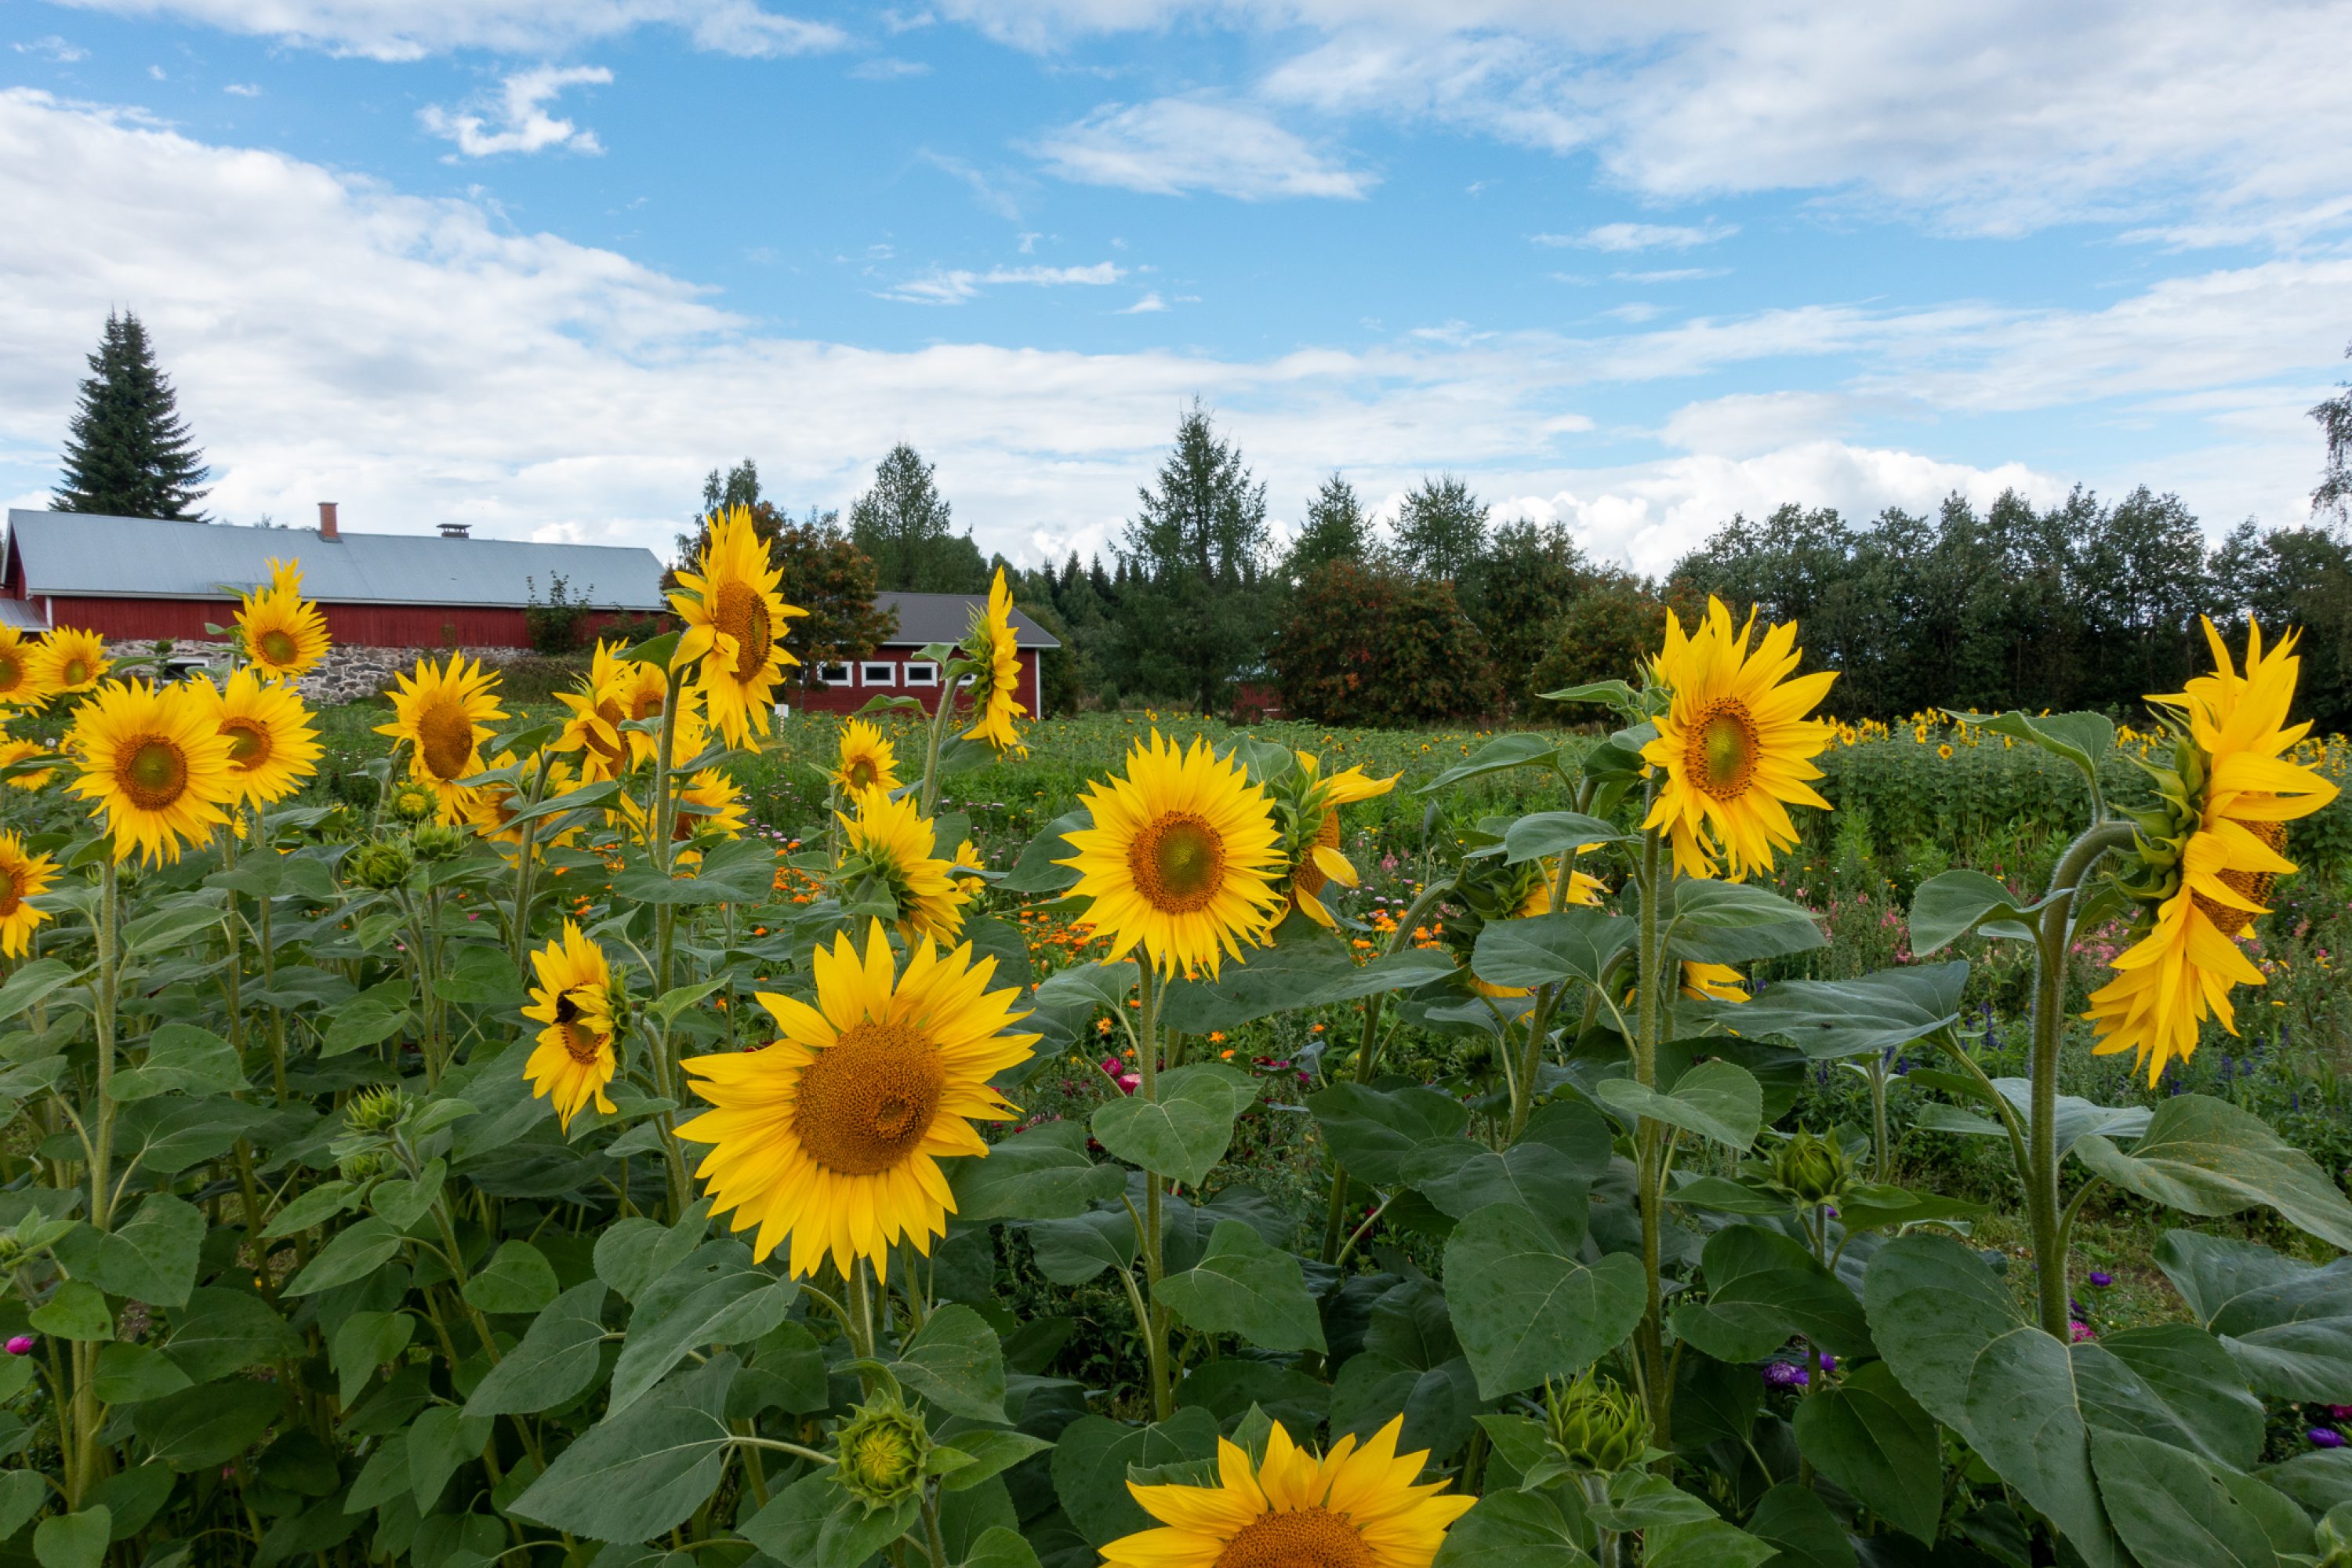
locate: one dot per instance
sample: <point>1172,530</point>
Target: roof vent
<point>455,531</point>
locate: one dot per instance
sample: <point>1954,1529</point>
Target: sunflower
<point>2209,854</point>
<point>575,1059</point>
<point>1307,805</point>
<point>615,692</point>
<point>443,713</point>
<point>991,643</point>
<point>1733,744</point>
<point>833,1135</point>
<point>157,765</point>
<point>22,683</point>
<point>734,619</point>
<point>1713,983</point>
<point>1182,856</point>
<point>893,846</point>
<point>271,746</point>
<point>70,659</point>
<point>491,807</point>
<point>283,634</point>
<point>867,760</point>
<point>15,751</point>
<point>1540,877</point>
<point>22,877</point>
<point>1354,1508</point>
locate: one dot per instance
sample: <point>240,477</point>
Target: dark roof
<point>926,619</point>
<point>135,557</point>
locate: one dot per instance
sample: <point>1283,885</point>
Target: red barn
<point>898,668</point>
<point>137,578</point>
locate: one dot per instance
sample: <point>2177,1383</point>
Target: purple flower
<point>2101,1279</point>
<point>1785,1374</point>
<point>1829,1362</point>
<point>21,1344</point>
<point>2325,1438</point>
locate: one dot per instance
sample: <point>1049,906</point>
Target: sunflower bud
<point>379,866</point>
<point>1811,1168</point>
<point>341,825</point>
<point>1596,1426</point>
<point>376,1111</point>
<point>366,1164</point>
<point>12,1253</point>
<point>438,841</point>
<point>2333,1545</point>
<point>881,1450</point>
<point>411,802</point>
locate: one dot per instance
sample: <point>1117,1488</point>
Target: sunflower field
<point>529,1158</point>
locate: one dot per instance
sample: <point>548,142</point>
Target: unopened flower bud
<point>380,867</point>
<point>411,802</point>
<point>1812,1170</point>
<point>20,1344</point>
<point>377,1111</point>
<point>367,1164</point>
<point>438,841</point>
<point>1596,1426</point>
<point>881,1451</point>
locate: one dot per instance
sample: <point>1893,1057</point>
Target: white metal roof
<point>82,553</point>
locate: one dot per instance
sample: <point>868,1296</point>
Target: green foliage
<point>1367,647</point>
<point>128,453</point>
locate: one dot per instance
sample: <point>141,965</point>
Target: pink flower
<point>21,1344</point>
<point>1128,1081</point>
<point>2078,1330</point>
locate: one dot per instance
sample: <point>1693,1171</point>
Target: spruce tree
<point>128,452</point>
<point>907,527</point>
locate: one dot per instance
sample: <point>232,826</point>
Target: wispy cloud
<point>1174,146</point>
<point>953,286</point>
<point>517,122</point>
<point>52,48</point>
<point>242,89</point>
<point>1150,304</point>
<point>990,190</point>
<point>413,29</point>
<point>1629,237</point>
<point>1673,275</point>
<point>888,68</point>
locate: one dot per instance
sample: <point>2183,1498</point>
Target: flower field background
<point>631,1132</point>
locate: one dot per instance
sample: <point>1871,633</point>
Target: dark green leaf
<point>352,1254</point>
<point>208,1425</point>
<point>1242,1286</point>
<point>1524,1310</point>
<point>133,1497</point>
<point>2083,739</point>
<point>76,1310</point>
<point>517,1279</point>
<point>1043,1174</point>
<point>441,1439</point>
<point>1764,1288</point>
<point>31,982</point>
<point>1878,1012</point>
<point>813,1523</point>
<point>2207,1157</point>
<point>1371,1131</point>
<point>1182,1132</point>
<point>129,1373</point>
<point>1543,950</point>
<point>2287,1325</point>
<point>370,1018</point>
<point>990,1453</point>
<point>169,1133</point>
<point>1950,905</point>
<point>557,1358</point>
<point>1732,923</point>
<point>365,1342</point>
<point>1072,1251</point>
<point>1314,971</point>
<point>633,1253</point>
<point>1091,1461</point>
<point>1502,753</point>
<point>1872,1438</point>
<point>1795,1519</point>
<point>74,1539</point>
<point>1717,1099</point>
<point>1512,1529</point>
<point>955,1363</point>
<point>149,1257</point>
<point>1461,1177</point>
<point>1703,1544</point>
<point>221,1331</point>
<point>22,1494</point>
<point>998,1547</point>
<point>2170,1507</point>
<point>182,1059</point>
<point>645,1470</point>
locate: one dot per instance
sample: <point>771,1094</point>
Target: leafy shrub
<point>1365,646</point>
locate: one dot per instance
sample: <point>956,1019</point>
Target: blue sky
<point>538,264</point>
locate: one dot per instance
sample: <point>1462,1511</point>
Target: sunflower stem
<point>930,791</point>
<point>1650,1189</point>
<point>1155,1323</point>
<point>2054,944</point>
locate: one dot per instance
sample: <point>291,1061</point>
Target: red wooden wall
<point>360,626</point>
<point>850,699</point>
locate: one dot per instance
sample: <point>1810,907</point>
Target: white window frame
<point>867,667</point>
<point>920,672</point>
<point>846,678</point>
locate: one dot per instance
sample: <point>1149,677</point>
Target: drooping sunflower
<point>22,877</point>
<point>867,760</point>
<point>2209,854</point>
<point>72,660</point>
<point>22,683</point>
<point>892,844</point>
<point>575,1057</point>
<point>1353,1508</point>
<point>991,645</point>
<point>155,764</point>
<point>1713,983</point>
<point>444,713</point>
<point>1180,859</point>
<point>734,624</point>
<point>271,745</point>
<point>1734,743</point>
<point>492,807</point>
<point>1307,805</point>
<point>15,751</point>
<point>284,635</point>
<point>833,1135</point>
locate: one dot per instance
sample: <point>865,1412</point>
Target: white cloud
<point>888,68</point>
<point>1150,304</point>
<point>411,29</point>
<point>242,89</point>
<point>1172,146</point>
<point>523,123</point>
<point>1625,237</point>
<point>954,287</point>
<point>52,48</point>
<point>1634,310</point>
<point>1673,275</point>
<point>422,360</point>
<point>991,191</point>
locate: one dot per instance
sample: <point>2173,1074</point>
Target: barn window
<point>836,673</point>
<point>922,672</point>
<point>878,672</point>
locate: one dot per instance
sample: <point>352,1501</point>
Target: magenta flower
<point>21,1344</point>
<point>2078,1330</point>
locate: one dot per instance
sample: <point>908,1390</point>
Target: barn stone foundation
<point>347,674</point>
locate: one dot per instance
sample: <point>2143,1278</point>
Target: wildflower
<point>20,1344</point>
<point>2325,1438</point>
<point>2079,1332</point>
<point>1785,1374</point>
<point>2100,1278</point>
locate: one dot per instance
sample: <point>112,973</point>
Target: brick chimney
<point>327,521</point>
